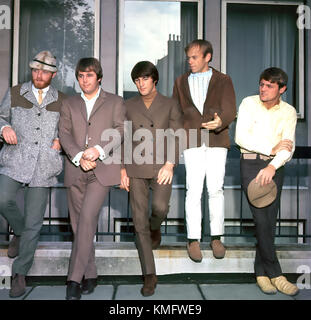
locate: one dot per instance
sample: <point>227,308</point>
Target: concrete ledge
<point>52,258</point>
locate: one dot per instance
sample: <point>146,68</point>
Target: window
<point>261,34</point>
<point>159,35</point>
<point>67,28</point>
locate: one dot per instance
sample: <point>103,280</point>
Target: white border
<point>16,37</point>
<point>300,111</point>
<point>121,35</point>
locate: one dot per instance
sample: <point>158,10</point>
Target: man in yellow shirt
<point>265,132</point>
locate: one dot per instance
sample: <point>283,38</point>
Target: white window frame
<point>16,37</point>
<point>300,110</point>
<point>121,34</point>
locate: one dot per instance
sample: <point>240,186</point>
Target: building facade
<point>247,36</point>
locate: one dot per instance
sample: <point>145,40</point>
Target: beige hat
<point>261,196</point>
<point>44,60</point>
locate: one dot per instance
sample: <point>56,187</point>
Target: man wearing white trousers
<point>207,100</point>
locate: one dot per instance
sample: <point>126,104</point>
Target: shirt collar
<point>36,90</point>
<point>92,99</point>
<point>275,107</point>
<point>207,73</point>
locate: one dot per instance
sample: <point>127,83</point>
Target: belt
<point>253,156</point>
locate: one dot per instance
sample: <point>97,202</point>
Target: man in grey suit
<point>30,158</point>
<point>150,113</point>
<point>85,119</point>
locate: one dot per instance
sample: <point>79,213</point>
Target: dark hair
<point>275,75</point>
<point>89,64</point>
<point>145,69</point>
<point>204,45</point>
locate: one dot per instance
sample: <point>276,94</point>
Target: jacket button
<point>36,142</point>
<point>151,125</point>
<point>37,128</point>
<point>89,123</point>
<point>39,114</point>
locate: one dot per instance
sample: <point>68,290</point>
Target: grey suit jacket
<point>107,119</point>
<point>32,160</point>
<point>145,135</point>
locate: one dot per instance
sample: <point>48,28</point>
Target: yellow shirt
<point>259,129</point>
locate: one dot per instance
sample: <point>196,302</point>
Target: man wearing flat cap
<point>265,132</point>
<point>29,159</point>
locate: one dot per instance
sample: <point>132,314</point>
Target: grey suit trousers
<point>139,199</point>
<point>28,224</point>
<point>85,199</point>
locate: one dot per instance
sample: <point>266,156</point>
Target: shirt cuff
<point>281,158</point>
<point>77,158</point>
<point>102,155</point>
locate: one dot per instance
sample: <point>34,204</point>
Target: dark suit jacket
<point>164,113</point>
<point>220,98</point>
<point>108,113</point>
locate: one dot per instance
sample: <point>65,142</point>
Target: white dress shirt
<point>89,103</point>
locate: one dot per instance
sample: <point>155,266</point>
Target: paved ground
<point>178,288</point>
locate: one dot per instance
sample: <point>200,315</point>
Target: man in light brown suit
<point>149,114</point>
<point>85,119</point>
<point>207,99</point>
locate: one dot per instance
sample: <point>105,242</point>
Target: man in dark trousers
<point>265,132</point>
<point>207,99</point>
<point>30,158</point>
<point>83,122</point>
<point>150,112</point>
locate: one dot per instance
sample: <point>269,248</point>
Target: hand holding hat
<point>261,195</point>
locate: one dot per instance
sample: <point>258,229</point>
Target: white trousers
<point>200,163</point>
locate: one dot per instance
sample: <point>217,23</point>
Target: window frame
<point>121,6</point>
<point>16,28</point>
<point>301,63</point>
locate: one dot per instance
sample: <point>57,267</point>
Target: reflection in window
<point>259,37</point>
<point>159,35</point>
<point>65,27</point>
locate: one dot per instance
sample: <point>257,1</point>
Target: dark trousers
<point>85,199</point>
<point>266,261</point>
<point>139,200</point>
<point>28,224</point>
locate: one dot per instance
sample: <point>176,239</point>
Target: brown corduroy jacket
<point>220,98</point>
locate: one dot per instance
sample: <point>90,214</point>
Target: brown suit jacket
<point>108,113</point>
<point>164,113</point>
<point>220,98</point>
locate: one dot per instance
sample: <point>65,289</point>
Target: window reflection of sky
<point>147,26</point>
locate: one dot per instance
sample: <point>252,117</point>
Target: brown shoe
<point>218,248</point>
<point>265,285</point>
<point>13,247</point>
<point>150,283</point>
<point>194,251</point>
<point>285,286</point>
<point>155,238</point>
<point>18,287</point>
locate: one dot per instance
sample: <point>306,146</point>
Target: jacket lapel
<point>98,103</point>
<point>143,109</point>
<point>26,92</point>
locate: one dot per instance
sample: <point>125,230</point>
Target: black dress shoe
<point>73,291</point>
<point>88,285</point>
